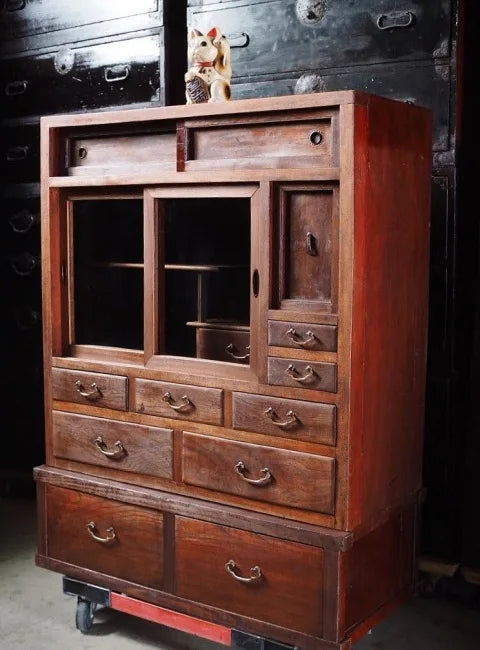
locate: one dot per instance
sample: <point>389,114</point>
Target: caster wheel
<point>84,615</point>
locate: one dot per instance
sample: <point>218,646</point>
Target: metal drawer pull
<point>231,350</point>
<point>292,372</point>
<point>185,405</point>
<point>111,534</point>
<point>93,394</point>
<point>82,153</point>
<point>259,482</point>
<point>255,571</point>
<point>311,244</point>
<point>24,264</point>
<point>238,39</point>
<point>395,20</point>
<point>102,447</point>
<point>22,222</point>
<point>302,343</point>
<point>289,422</point>
<point>117,73</point>
<point>16,88</point>
<point>17,153</point>
<point>15,5</point>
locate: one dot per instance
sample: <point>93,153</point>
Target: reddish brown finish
<point>146,450</point>
<point>135,554</point>
<point>310,421</point>
<point>205,403</point>
<point>321,376</point>
<point>305,336</point>
<point>298,480</point>
<point>113,390</point>
<point>360,280</point>
<point>221,344</point>
<point>204,549</point>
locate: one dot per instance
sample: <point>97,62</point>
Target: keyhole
<point>311,15</point>
<point>316,137</point>
<point>82,153</point>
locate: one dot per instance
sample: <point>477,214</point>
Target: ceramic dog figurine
<point>209,68</point>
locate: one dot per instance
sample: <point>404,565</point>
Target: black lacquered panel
<point>20,153</point>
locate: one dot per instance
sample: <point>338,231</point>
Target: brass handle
<point>238,39</point>
<point>259,482</point>
<point>93,394</point>
<point>297,340</point>
<point>289,422</point>
<point>395,20</point>
<point>292,372</point>
<point>22,221</point>
<point>111,534</point>
<point>185,405</point>
<point>311,244</point>
<point>231,350</point>
<point>102,447</point>
<point>117,73</point>
<point>24,264</point>
<point>255,571</point>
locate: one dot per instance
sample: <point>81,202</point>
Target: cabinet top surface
<point>235,107</point>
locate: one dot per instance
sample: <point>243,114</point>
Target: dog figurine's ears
<point>195,32</point>
<point>213,32</point>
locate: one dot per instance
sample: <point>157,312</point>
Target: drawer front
<point>179,401</point>
<point>423,84</point>
<point>302,336</point>
<point>20,153</point>
<point>21,18</point>
<point>302,374</point>
<point>96,155</point>
<point>119,445</point>
<point>130,544</point>
<point>287,418</point>
<point>223,345</point>
<point>289,143</point>
<point>203,552</point>
<point>107,74</point>
<point>288,478</point>
<point>286,35</point>
<point>91,388</point>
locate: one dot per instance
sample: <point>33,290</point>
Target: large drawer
<point>284,417</point>
<point>288,478</point>
<point>92,388</point>
<point>106,74</point>
<point>303,374</point>
<point>284,579</point>
<point>423,84</point>
<point>108,536</point>
<point>272,37</point>
<point>108,443</point>
<point>179,401</point>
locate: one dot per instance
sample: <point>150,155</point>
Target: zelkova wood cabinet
<point>235,313</point>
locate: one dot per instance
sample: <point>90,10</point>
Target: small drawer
<point>179,401</point>
<point>287,418</point>
<point>303,374</point>
<point>288,478</point>
<point>91,388</point>
<point>108,536</point>
<point>97,155</point>
<point>212,560</point>
<point>223,345</point>
<point>290,143</point>
<point>119,445</point>
<point>302,336</point>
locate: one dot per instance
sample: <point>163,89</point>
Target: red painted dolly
<point>89,596</point>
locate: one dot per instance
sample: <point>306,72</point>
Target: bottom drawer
<point>261,577</point>
<point>111,537</point>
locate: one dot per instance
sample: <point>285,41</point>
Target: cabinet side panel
<point>390,309</point>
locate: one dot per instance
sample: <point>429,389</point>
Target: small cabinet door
<point>307,247</point>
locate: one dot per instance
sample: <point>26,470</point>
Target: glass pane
<point>108,272</point>
<point>206,309</point>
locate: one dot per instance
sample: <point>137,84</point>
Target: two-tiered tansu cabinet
<point>235,311</point>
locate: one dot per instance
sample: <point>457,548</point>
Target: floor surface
<point>35,615</point>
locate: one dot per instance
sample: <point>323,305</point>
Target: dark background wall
<point>68,56</point>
